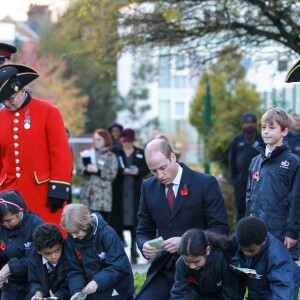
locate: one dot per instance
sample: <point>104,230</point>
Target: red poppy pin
<point>256,175</point>
<point>184,191</point>
<point>2,245</point>
<point>78,253</point>
<point>193,280</point>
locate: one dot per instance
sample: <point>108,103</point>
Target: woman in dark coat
<point>127,187</point>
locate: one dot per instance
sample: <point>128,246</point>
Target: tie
<point>171,196</point>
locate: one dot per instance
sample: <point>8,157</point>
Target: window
<point>180,61</point>
<point>179,82</point>
<point>164,71</point>
<point>179,109</point>
<point>164,114</point>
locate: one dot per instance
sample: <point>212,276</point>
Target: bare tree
<point>205,27</point>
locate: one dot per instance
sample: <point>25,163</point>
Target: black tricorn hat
<point>294,73</point>
<point>13,78</point>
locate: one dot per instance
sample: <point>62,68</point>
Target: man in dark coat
<point>198,203</point>
<point>241,152</point>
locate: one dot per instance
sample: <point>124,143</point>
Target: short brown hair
<point>159,145</point>
<point>279,115</point>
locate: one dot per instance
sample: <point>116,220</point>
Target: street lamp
<point>207,123</point>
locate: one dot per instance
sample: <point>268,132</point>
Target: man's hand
<point>55,204</point>
<point>172,244</point>
<point>149,251</point>
<point>289,242</point>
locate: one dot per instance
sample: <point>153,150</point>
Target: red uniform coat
<point>35,156</point>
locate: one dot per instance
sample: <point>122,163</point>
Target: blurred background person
<point>115,131</point>
<point>127,187</point>
<point>293,136</point>
<point>6,52</point>
<point>98,166</point>
<point>242,149</point>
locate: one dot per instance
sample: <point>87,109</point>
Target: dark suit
<point>203,207</point>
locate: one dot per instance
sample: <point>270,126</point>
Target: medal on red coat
<point>27,119</point>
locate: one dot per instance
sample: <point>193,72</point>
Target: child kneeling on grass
<point>46,271</point>
<point>17,226</point>
<point>202,271</point>
<point>264,264</point>
<point>97,264</point>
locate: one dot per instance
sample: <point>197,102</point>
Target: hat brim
<point>127,139</point>
<point>13,78</point>
<point>293,74</point>
<point>7,49</point>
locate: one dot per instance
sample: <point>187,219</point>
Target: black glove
<point>55,204</point>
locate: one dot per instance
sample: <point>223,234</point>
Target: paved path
<point>142,264</point>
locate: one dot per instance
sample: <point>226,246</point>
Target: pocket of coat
<point>41,177</point>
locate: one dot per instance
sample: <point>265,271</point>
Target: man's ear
<point>173,157</point>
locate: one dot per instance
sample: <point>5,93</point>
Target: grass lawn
<point>140,278</point>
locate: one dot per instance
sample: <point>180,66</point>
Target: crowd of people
<point>52,248</point>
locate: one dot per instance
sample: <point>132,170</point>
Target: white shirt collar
<point>45,261</point>
<point>177,179</point>
<point>267,151</point>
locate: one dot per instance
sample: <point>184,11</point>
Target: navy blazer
<point>37,277</point>
<point>203,207</point>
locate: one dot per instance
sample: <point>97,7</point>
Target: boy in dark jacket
<point>273,191</point>
<point>46,272</point>
<point>97,264</point>
<point>277,275</point>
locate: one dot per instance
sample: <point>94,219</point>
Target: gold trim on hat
<point>295,67</point>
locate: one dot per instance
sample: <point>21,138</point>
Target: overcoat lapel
<point>181,199</point>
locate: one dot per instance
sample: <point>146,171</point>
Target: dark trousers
<point>240,189</point>
<point>159,287</point>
